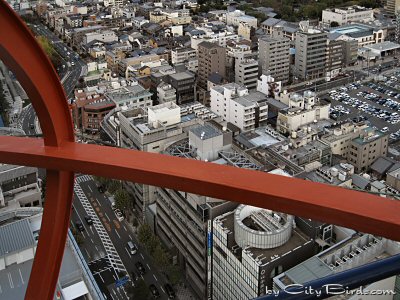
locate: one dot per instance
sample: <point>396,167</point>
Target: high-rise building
<point>211,60</point>
<point>250,246</point>
<point>274,55</point>
<point>246,72</point>
<point>392,6</point>
<point>311,49</point>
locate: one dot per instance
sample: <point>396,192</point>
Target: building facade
<point>274,55</point>
<point>211,60</point>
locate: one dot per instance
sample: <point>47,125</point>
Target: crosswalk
<point>112,253</point>
<point>83,178</point>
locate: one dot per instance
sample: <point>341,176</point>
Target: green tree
<point>161,257</point>
<point>141,290</point>
<point>173,274</point>
<point>144,233</point>
<point>122,199</point>
<point>49,50</point>
<point>113,186</point>
<point>334,24</point>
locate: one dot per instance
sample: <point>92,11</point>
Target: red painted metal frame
<point>61,157</point>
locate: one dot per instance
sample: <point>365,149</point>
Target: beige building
<point>274,55</point>
<point>392,6</point>
<point>157,17</point>
<point>303,109</point>
<point>366,148</point>
<point>347,15</point>
<point>211,60</point>
<point>339,138</point>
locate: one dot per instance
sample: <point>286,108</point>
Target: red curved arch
<point>23,55</point>
<point>61,156</point>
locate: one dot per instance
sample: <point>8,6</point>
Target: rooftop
<point>205,131</point>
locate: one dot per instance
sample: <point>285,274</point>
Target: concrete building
<point>19,186</point>
<point>392,6</point>
<point>351,14</point>
<point>236,105</point>
<point>339,137</point>
<point>303,110</point>
<point>184,220</point>
<point>311,52</point>
<point>19,233</point>
<point>153,130</point>
<point>207,35</point>
<point>335,58</point>
<point>94,113</point>
<point>252,245</point>
<point>246,72</point>
<point>236,17</point>
<point>185,85</point>
<point>182,55</point>
<point>351,250</point>
<point>366,148</point>
<point>211,60</point>
<point>364,34</point>
<point>105,36</point>
<point>130,96</point>
<point>165,93</point>
<point>274,55</point>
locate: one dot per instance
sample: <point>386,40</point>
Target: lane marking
<point>142,256</point>
<point>148,266</point>
<point>128,253</point>
<point>108,218</point>
<point>155,277</point>
<point>130,237</point>
<point>117,233</point>
<point>90,188</point>
<point>20,274</point>
<point>10,280</point>
<point>163,290</point>
<point>125,229</point>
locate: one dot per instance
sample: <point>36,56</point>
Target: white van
<point>132,247</point>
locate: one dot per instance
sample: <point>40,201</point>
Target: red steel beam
<point>23,55</point>
<point>361,211</point>
<point>61,156</point>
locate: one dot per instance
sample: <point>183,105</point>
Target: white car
<point>119,215</point>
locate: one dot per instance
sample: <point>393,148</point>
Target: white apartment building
<point>236,17</point>
<point>303,109</point>
<point>182,55</point>
<point>214,37</point>
<point>165,93</point>
<point>236,105</point>
<point>347,15</point>
<point>105,36</point>
<point>246,72</point>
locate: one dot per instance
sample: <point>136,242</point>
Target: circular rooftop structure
<point>261,228</point>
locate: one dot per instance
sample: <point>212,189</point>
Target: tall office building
<point>250,246</point>
<point>274,55</point>
<point>184,220</point>
<point>392,6</point>
<point>311,53</point>
<point>211,60</point>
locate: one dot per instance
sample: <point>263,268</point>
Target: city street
<point>102,261</point>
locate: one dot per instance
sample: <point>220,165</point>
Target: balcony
<point>59,153</point>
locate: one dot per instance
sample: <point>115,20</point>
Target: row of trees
<point>4,106</point>
<point>161,256</point>
<point>48,48</point>
<point>122,199</point>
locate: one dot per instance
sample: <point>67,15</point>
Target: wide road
<point>120,234</point>
<point>70,72</point>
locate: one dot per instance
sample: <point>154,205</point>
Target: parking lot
<point>378,103</point>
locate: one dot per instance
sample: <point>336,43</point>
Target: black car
<point>89,220</point>
<point>140,267</point>
<point>79,226</point>
<point>154,291</point>
<point>170,291</point>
